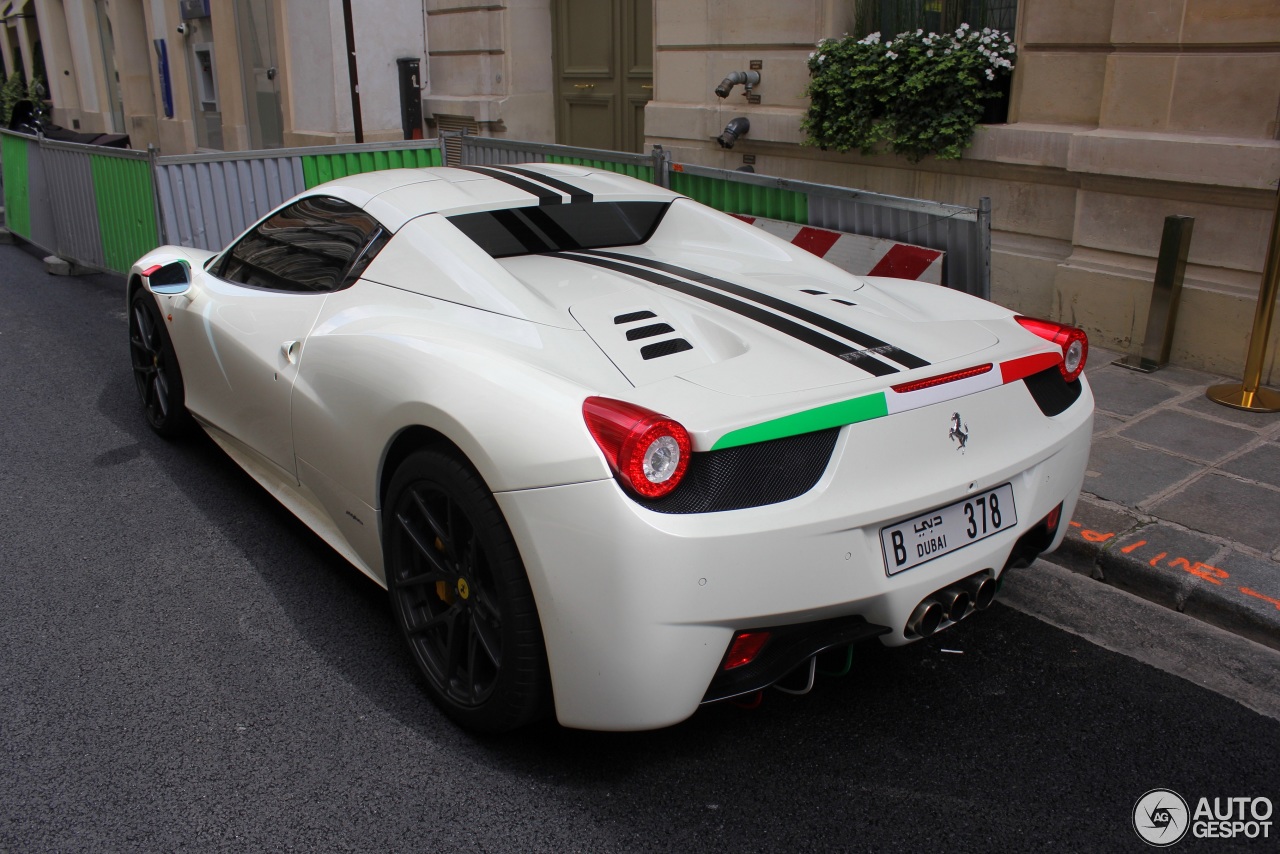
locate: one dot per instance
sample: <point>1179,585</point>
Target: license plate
<point>946,529</point>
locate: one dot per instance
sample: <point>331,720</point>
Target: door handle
<point>289,350</point>
<point>271,73</point>
<point>584,85</point>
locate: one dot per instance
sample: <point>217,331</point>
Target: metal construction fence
<point>103,208</point>
<point>963,233</point>
<point>206,200</point>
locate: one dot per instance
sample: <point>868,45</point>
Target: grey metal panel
<point>44,225</point>
<point>287,153</point>
<point>72,197</point>
<point>481,151</point>
<point>946,228</point>
<point>206,203</point>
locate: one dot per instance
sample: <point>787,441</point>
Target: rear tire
<point>155,369</point>
<point>461,596</point>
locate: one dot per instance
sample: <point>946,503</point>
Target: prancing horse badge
<point>959,432</point>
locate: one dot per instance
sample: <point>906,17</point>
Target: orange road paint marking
<point>1255,594</point>
<point>1096,536</point>
<point>1155,560</point>
<point>1076,524</point>
<point>1134,547</point>
<point>1211,574</point>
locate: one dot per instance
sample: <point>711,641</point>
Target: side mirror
<point>172,278</point>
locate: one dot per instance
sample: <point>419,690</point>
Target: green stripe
<point>832,415</point>
<point>17,203</point>
<point>319,168</point>
<point>632,170</point>
<point>748,199</point>
<point>125,199</point>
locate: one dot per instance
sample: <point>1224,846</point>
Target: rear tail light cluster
<point>648,452</point>
<point>1073,342</point>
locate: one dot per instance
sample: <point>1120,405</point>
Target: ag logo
<point>1160,817</point>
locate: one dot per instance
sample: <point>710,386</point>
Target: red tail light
<point>648,452</point>
<point>1051,521</point>
<point>744,649</point>
<point>1073,342</point>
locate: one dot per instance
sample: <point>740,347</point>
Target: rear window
<point>555,228</point>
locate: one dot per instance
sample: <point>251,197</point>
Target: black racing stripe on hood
<point>835,327</point>
<point>813,338</point>
<point>577,195</point>
<point>545,195</point>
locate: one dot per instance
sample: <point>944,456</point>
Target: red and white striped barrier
<point>863,256</point>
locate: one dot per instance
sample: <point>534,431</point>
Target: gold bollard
<point>1249,394</point>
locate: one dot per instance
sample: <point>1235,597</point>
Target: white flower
<point>919,32</point>
<point>928,52</point>
<point>990,74</point>
<point>964,26</point>
<point>891,55</point>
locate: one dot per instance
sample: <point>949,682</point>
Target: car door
<point>250,312</point>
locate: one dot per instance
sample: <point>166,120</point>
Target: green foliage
<point>917,94</point>
<point>11,93</point>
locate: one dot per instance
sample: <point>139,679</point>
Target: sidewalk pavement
<point>1181,501</point>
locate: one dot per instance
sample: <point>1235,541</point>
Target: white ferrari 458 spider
<point>611,452</point>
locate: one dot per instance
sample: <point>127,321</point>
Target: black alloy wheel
<point>461,596</point>
<point>155,369</point>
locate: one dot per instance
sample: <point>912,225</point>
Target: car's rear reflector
<point>744,649</point>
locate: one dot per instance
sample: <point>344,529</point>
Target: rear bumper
<point>638,608</point>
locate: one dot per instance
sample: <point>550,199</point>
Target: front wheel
<point>155,369</point>
<point>461,596</point>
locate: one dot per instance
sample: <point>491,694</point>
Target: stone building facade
<point>1122,112</point>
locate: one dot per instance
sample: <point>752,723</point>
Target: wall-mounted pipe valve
<point>736,128</point>
<point>748,79</point>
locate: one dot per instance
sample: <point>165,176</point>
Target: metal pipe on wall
<point>352,73</point>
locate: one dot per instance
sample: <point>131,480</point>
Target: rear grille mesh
<point>750,475</point>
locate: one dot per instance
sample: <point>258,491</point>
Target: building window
<point>891,17</point>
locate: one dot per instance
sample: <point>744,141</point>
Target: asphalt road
<point>185,667</point>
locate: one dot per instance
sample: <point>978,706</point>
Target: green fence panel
<point>318,168</point>
<point>17,203</point>
<point>125,195</point>
<point>632,170</point>
<point>732,197</point>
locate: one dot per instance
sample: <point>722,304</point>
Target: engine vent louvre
<point>664,348</point>
<point>633,317</point>
<point>648,331</point>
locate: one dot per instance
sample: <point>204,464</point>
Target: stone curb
<point>1174,567</point>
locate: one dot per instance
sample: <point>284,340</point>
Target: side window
<point>313,245</point>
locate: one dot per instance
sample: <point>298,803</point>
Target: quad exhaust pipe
<point>952,604</point>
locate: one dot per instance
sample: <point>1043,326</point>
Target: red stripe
<point>817,240</point>
<point>749,220</point>
<point>905,262</point>
<point>1016,369</point>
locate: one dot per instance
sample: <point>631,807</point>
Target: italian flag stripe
<point>882,403</point>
